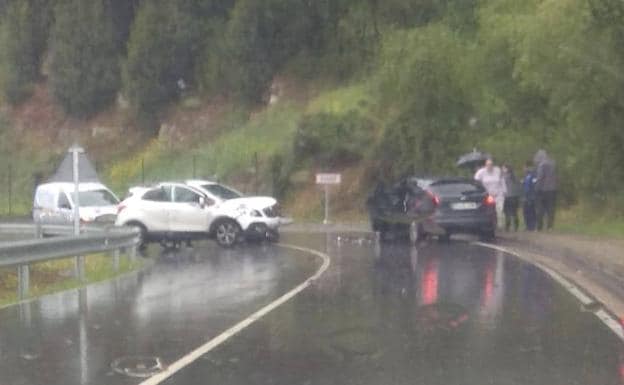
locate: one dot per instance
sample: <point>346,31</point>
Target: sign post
<point>76,150</point>
<point>327,180</point>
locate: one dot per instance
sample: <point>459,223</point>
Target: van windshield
<point>95,198</point>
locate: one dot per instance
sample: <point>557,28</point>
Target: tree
<point>161,51</point>
<point>122,13</point>
<point>23,40</point>
<point>84,71</point>
<point>252,48</point>
<point>18,62</point>
<point>419,80</point>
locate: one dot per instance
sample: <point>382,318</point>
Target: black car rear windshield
<point>456,188</point>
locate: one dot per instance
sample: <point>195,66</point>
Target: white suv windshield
<point>221,191</point>
<point>96,198</point>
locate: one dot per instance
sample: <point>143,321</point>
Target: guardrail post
<point>38,230</point>
<point>132,252</point>
<point>23,281</point>
<point>116,260</point>
<point>79,270</point>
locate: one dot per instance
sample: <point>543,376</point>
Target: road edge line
<point>582,295</point>
<point>195,354</point>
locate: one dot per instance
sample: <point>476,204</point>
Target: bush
<point>329,139</point>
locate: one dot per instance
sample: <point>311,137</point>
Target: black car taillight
<point>434,198</point>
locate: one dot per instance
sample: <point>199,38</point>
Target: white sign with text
<point>328,178</point>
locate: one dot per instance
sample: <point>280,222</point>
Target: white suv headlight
<point>247,211</point>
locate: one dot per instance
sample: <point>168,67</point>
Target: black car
<point>463,207</point>
<point>396,208</point>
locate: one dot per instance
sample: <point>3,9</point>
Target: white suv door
<point>187,213</point>
<point>156,205</point>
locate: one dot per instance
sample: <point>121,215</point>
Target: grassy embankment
<point>54,276</point>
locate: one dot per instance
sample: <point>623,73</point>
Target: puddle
<point>140,367</point>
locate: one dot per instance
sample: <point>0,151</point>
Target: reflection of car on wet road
<point>464,207</point>
<point>198,209</point>
<point>394,209</point>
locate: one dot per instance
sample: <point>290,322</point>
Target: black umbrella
<point>473,159</point>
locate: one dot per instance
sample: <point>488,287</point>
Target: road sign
<point>328,178</point>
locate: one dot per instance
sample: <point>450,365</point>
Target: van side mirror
<point>202,202</point>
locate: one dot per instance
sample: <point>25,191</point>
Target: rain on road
<point>441,314</point>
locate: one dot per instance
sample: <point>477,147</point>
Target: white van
<point>54,203</point>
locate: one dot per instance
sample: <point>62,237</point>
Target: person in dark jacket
<point>528,193</point>
<point>512,198</point>
<point>545,190</point>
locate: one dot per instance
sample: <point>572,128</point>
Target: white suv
<point>196,209</point>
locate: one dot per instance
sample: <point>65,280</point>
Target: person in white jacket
<point>493,180</point>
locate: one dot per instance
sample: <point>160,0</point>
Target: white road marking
<point>608,319</point>
<point>181,363</point>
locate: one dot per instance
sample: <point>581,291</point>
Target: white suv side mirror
<point>202,202</point>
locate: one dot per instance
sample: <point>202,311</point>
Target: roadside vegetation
<point>375,90</point>
<point>54,276</point>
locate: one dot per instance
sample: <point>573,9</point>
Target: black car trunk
<point>460,198</point>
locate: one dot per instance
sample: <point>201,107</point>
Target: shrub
<point>329,139</point>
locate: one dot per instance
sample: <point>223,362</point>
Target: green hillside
<point>375,89</point>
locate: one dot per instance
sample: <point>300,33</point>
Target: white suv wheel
<point>227,233</point>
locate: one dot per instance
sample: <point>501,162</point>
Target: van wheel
<point>227,233</point>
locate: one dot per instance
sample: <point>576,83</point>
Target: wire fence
<point>257,176</point>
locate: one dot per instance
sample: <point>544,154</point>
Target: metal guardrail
<point>54,242</point>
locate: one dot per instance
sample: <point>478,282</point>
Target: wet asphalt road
<point>441,314</point>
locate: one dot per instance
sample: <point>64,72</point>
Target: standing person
<point>545,190</point>
<point>492,179</point>
<point>512,198</point>
<point>528,192</point>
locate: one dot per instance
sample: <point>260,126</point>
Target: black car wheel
<point>273,236</point>
<point>227,233</point>
<point>446,237</point>
<point>488,235</point>
<point>380,227</point>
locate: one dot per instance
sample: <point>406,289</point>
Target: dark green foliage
<point>84,71</point>
<point>17,61</point>
<point>163,46</point>
<point>257,43</point>
<point>23,39</point>
<point>122,13</point>
<point>329,139</point>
